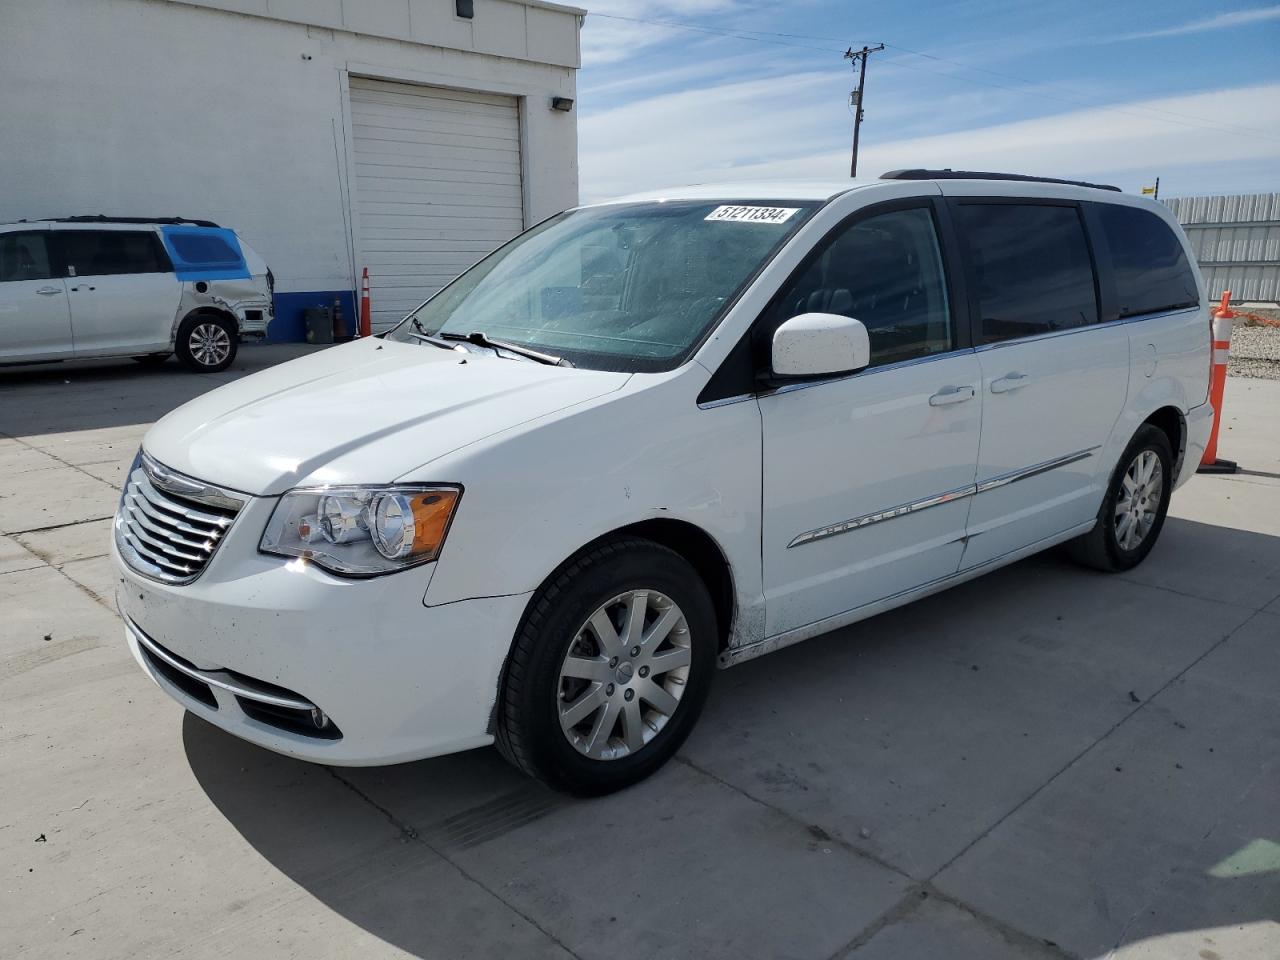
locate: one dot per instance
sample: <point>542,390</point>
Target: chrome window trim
<point>937,499</point>
<point>865,372</point>
<point>1086,328</point>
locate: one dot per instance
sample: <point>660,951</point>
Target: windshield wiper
<point>427,337</point>
<point>481,339</point>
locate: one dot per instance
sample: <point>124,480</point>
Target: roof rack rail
<point>103,218</point>
<point>949,174</point>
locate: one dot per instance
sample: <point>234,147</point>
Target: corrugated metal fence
<point>1237,241</point>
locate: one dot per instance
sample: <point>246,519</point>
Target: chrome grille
<point>169,525</point>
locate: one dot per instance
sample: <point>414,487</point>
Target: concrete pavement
<point>1043,763</point>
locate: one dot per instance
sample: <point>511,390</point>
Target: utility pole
<point>859,62</point>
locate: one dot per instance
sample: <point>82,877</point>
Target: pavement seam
<point>919,894</point>
<point>787,815</point>
<point>410,832</point>
<point>73,466</point>
<point>1088,749</point>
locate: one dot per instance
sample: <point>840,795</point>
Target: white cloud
<point>615,30</point>
<point>1222,21</point>
<point>786,128</point>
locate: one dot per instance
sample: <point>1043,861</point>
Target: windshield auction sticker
<point>752,214</point>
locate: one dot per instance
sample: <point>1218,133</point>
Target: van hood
<point>365,412</point>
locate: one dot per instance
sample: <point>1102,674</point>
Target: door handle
<point>1010,382</point>
<point>952,395</point>
<point>48,291</point>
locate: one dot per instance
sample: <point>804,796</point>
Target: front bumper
<point>257,642</point>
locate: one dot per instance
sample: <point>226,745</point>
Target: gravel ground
<point>1255,348</point>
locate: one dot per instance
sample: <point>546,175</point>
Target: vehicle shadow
<point>929,725</point>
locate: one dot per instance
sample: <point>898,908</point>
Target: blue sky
<point>1118,91</point>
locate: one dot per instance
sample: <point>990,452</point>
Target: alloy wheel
<point>624,675</point>
<point>210,344</point>
<point>1138,505</point>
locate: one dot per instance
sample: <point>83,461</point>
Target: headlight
<point>362,531</point>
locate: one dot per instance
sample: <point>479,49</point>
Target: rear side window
<point>1029,268</point>
<point>1150,268</point>
<point>24,256</point>
<point>885,271</point>
<point>203,248</point>
<point>101,253</point>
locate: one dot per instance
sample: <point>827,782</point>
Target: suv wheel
<point>1133,511</point>
<point>207,343</point>
<point>609,669</point>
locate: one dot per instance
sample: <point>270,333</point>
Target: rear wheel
<point>1133,511</point>
<point>610,668</point>
<point>207,343</point>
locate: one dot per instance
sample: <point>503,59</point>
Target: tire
<point>207,343</point>
<point>604,750</point>
<point>1114,545</point>
<point>153,359</point>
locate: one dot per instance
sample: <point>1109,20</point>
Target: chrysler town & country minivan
<point>651,437</point>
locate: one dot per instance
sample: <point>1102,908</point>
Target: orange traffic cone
<point>1222,318</point>
<point>366,321</point>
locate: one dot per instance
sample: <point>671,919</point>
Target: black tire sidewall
<point>638,566</point>
<point>183,345</point>
<point>1147,438</point>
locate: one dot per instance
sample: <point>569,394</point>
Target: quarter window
<point>1029,267</point>
<point>203,248</point>
<point>1150,268</point>
<point>100,253</point>
<point>885,271</point>
<point>24,256</point>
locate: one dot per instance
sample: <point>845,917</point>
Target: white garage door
<point>437,186</point>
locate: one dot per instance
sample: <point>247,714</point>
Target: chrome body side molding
<point>1013,476</point>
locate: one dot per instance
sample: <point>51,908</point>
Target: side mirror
<point>814,344</point>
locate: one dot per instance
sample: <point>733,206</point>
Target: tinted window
<point>24,256</point>
<point>885,271</point>
<point>202,248</point>
<point>1151,269</point>
<point>98,253</point>
<point>1029,267</point>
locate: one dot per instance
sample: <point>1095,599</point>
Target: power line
<point>1076,98</point>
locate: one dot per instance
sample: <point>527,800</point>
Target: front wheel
<point>207,343</point>
<point>609,669</point>
<point>1133,511</point>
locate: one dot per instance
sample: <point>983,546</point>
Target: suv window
<point>885,271</point>
<point>1150,268</point>
<point>100,253</point>
<point>1029,266</point>
<point>24,256</point>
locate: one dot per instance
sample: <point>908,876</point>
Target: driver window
<point>885,271</point>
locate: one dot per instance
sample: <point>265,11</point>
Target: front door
<point>124,295</point>
<point>35,323</point>
<point>1054,379</point>
<point>866,478</point>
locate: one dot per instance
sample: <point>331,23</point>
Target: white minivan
<point>96,287</point>
<point>651,437</point>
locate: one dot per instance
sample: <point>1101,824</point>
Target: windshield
<point>631,287</point>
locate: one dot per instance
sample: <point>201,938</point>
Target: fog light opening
<point>319,718</point>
